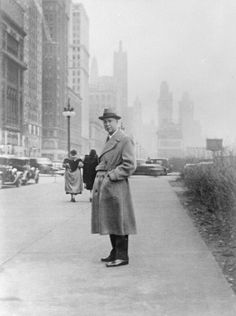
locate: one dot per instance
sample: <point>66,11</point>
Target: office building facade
<point>78,68</point>
<point>54,86</point>
<point>32,110</point>
<point>169,134</point>
<point>12,77</point>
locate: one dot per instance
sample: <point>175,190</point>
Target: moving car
<point>43,164</point>
<point>9,175</point>
<point>149,169</point>
<point>58,168</point>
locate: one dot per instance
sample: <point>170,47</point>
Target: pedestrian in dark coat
<point>89,170</point>
<point>112,208</point>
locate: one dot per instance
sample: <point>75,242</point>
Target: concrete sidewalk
<point>51,264</point>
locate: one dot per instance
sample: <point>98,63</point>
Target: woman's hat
<point>109,113</point>
<point>73,152</point>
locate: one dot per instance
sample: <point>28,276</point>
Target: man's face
<point>110,125</point>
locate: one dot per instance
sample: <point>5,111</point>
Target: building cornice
<point>16,60</point>
<point>9,20</point>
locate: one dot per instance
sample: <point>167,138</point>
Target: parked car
<point>43,164</point>
<point>28,172</point>
<point>164,162</point>
<point>148,169</point>
<point>9,175</point>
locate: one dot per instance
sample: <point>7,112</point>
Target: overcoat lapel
<point>111,143</point>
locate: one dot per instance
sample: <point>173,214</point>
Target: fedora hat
<point>109,113</point>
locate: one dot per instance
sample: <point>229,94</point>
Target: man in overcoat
<point>112,208</point>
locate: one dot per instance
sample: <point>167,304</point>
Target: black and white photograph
<point>117,158</point>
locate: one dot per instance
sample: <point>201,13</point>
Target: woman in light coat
<point>73,177</point>
<point>112,208</point>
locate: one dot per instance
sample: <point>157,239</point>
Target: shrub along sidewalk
<point>209,195</point>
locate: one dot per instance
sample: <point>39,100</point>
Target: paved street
<point>50,263</point>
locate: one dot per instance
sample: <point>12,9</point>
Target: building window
<point>12,45</point>
<point>12,73</point>
<point>21,49</point>
<point>12,106</point>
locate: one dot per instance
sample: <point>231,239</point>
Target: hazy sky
<point>191,44</point>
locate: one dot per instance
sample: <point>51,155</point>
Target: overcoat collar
<point>112,142</point>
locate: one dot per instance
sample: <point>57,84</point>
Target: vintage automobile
<point>162,162</point>
<point>148,169</point>
<point>9,175</point>
<point>44,164</point>
<point>58,168</point>
<point>29,172</point>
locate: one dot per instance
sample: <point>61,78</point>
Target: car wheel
<point>1,184</point>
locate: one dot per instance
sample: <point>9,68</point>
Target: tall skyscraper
<point>120,74</point>
<point>32,111</point>
<point>169,134</point>
<point>78,66</point>
<point>102,94</point>
<point>191,129</point>
<point>165,105</point>
<point>55,48</point>
<point>186,109</point>
<point>11,79</point>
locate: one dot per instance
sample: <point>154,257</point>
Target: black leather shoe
<point>117,263</point>
<point>107,259</point>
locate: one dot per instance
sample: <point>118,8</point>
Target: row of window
<point>76,35</point>
<point>74,80</point>
<point>34,130</point>
<point>74,56</point>
<point>11,44</point>
<point>74,73</point>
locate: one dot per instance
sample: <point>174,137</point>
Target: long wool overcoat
<point>112,208</point>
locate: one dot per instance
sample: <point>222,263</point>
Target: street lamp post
<point>68,112</point>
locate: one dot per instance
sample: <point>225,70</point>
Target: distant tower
<point>185,109</point>
<point>169,134</point>
<point>191,129</point>
<point>120,78</point>
<point>165,106</point>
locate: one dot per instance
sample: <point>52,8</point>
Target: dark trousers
<point>119,245</point>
